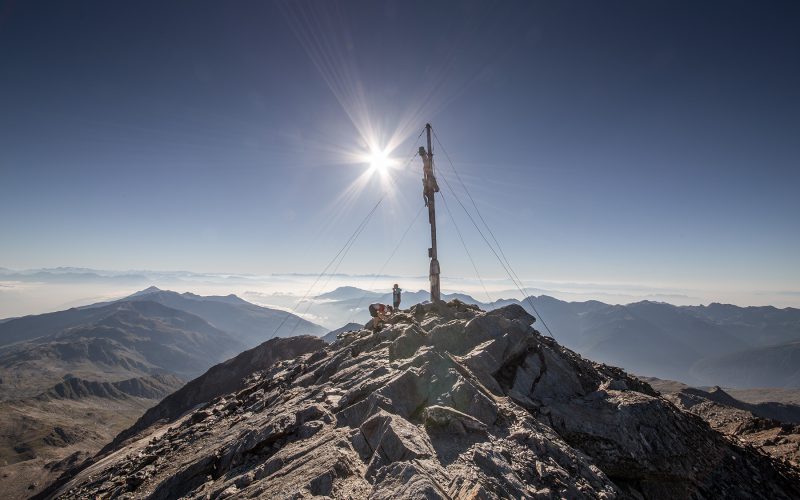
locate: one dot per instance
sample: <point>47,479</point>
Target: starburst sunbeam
<point>325,34</point>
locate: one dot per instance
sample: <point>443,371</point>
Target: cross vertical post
<point>429,187</point>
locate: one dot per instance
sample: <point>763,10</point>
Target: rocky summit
<point>445,401</point>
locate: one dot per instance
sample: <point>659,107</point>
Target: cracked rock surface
<point>735,419</point>
<point>446,401</point>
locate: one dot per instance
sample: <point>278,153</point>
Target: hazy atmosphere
<point>650,146</point>
<point>45,290</point>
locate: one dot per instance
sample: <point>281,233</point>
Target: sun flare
<point>379,161</point>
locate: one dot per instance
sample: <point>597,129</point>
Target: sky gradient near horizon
<point>619,142</point>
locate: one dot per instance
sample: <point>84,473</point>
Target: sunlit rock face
<point>445,401</point>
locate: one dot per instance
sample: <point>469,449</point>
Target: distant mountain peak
<point>149,289</point>
<point>345,293</point>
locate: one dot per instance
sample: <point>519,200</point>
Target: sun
<point>380,169</point>
<point>379,161</point>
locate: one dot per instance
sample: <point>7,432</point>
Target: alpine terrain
<point>445,401</point>
<point>72,380</point>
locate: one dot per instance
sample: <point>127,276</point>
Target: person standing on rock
<point>379,312</point>
<point>396,291</point>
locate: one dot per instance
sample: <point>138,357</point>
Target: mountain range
<point>71,380</point>
<point>717,344</point>
<point>122,340</point>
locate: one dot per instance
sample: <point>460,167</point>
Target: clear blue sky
<point>626,142</point>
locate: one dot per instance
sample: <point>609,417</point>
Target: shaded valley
<point>71,380</point>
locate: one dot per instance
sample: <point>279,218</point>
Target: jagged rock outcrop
<point>739,420</point>
<point>445,401</point>
<point>334,334</point>
<point>220,379</point>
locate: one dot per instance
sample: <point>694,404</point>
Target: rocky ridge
<point>446,401</point>
<point>777,438</point>
<point>226,377</point>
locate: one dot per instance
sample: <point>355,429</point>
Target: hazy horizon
<point>67,287</point>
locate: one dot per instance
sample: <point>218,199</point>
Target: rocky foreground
<point>446,401</point>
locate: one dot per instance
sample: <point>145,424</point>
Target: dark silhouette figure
<point>396,291</point>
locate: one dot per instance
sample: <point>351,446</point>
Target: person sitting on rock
<point>379,312</point>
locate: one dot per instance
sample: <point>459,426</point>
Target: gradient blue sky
<point>654,143</point>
